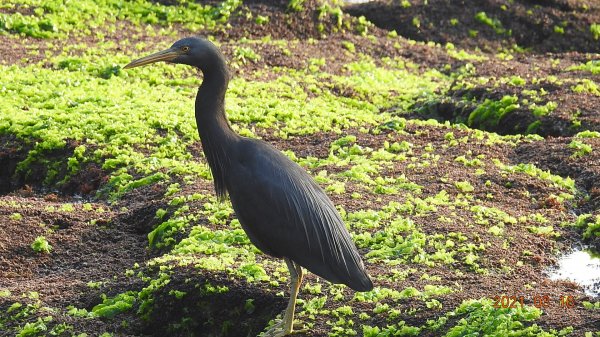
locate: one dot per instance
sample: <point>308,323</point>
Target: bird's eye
<point>185,49</point>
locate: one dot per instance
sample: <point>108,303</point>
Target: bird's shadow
<point>209,304</point>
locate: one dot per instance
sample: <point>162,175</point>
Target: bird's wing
<point>286,214</point>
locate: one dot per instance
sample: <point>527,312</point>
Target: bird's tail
<point>361,282</point>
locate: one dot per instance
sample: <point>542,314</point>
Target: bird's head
<point>192,51</point>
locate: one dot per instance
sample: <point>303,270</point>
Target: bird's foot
<point>274,332</point>
<point>278,329</point>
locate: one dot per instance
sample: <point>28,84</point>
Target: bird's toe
<point>274,331</point>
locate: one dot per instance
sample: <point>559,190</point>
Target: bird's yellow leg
<point>285,326</point>
<point>296,276</point>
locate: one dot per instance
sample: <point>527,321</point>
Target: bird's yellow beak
<point>165,55</point>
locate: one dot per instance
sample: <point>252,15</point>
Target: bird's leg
<point>285,326</point>
<point>296,281</point>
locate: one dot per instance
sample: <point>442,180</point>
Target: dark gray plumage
<point>283,211</point>
<point>286,214</point>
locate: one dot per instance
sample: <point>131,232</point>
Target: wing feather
<point>286,214</point>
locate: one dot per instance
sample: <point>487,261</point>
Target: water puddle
<point>581,266</point>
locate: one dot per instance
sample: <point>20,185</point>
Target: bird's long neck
<point>216,135</point>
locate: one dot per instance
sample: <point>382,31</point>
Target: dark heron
<point>281,208</point>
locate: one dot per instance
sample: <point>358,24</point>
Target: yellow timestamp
<point>541,301</point>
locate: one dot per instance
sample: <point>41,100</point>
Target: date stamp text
<point>540,301</point>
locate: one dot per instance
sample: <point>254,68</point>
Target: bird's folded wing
<point>286,214</point>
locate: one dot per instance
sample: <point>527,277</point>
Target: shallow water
<point>581,266</point>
